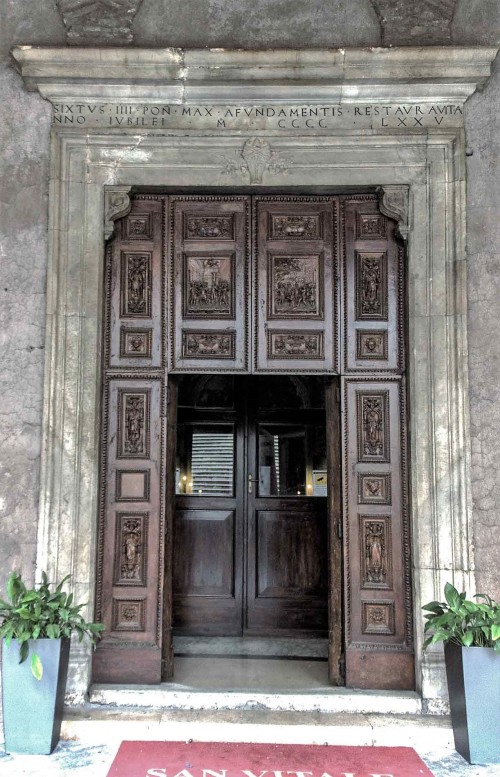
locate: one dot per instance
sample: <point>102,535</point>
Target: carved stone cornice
<point>393,202</point>
<point>425,74</point>
<point>116,204</point>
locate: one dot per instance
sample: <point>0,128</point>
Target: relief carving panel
<point>289,345</point>
<point>136,285</point>
<point>208,286</point>
<point>376,561</point>
<point>128,614</point>
<point>373,426</point>
<point>378,618</point>
<point>294,227</point>
<point>135,343</point>
<point>130,549</point>
<point>374,488</point>
<point>295,286</point>
<point>207,345</point>
<point>133,424</point>
<point>371,344</point>
<point>138,227</point>
<point>370,226</point>
<point>206,227</point>
<point>371,287</point>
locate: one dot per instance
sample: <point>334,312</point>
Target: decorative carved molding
<point>117,203</point>
<point>98,22</point>
<point>394,203</point>
<point>255,158</point>
<point>208,227</point>
<point>295,227</point>
<point>208,345</point>
<point>294,345</point>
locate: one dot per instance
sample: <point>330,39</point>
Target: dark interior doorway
<point>251,514</point>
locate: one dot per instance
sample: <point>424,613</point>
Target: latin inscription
<point>305,118</point>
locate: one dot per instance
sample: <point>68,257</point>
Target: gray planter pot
<point>473,676</point>
<point>32,709</point>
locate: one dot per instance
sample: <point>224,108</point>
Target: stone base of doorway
<point>93,724</point>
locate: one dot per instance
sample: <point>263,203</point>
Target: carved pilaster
<point>393,202</point>
<point>116,204</point>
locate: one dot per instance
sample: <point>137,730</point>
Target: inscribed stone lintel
<point>307,118</point>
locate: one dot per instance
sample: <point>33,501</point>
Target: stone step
<point>94,723</point>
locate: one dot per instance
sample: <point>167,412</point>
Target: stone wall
<point>231,23</point>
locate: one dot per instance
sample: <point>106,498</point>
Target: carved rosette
<point>117,203</point>
<point>394,203</point>
<point>378,618</point>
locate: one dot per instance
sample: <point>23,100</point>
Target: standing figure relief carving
<point>295,287</point>
<point>136,282</point>
<point>132,425</point>
<point>375,553</point>
<point>371,287</point>
<point>130,567</point>
<point>373,427</point>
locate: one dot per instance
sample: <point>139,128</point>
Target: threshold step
<point>174,696</point>
<point>91,723</point>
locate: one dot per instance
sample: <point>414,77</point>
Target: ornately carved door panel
<point>295,282</point>
<point>209,318</point>
<point>326,296</point>
<point>131,527</point>
<point>379,642</point>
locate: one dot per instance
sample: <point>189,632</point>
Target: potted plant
<point>470,631</point>
<point>37,624</point>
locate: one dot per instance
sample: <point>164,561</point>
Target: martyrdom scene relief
<point>295,286</point>
<point>208,287</point>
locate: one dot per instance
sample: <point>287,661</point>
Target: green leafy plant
<point>37,613</point>
<point>463,621</point>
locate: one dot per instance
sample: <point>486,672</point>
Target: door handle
<point>250,481</point>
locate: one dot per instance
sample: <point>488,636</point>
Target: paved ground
<point>80,760</point>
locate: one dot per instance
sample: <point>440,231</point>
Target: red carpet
<point>219,759</point>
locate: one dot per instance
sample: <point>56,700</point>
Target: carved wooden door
<point>131,527</point>
<point>326,295</point>
<point>379,642</point>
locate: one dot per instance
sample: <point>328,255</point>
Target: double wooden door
<point>243,285</point>
<point>250,522</point>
